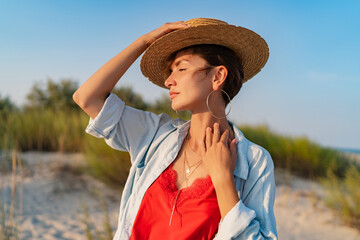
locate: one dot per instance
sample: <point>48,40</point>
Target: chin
<point>178,107</point>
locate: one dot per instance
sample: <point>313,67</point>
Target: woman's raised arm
<point>93,93</point>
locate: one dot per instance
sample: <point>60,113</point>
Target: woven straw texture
<point>249,46</point>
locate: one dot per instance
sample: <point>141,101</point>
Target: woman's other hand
<point>219,154</point>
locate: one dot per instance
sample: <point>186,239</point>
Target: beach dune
<point>54,196</point>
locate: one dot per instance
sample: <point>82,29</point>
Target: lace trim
<point>198,188</point>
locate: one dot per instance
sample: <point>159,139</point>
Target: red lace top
<point>196,215</point>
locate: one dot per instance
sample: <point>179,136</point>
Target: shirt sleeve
<point>253,216</point>
<point>125,128</point>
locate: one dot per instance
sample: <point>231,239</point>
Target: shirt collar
<point>181,125</point>
<point>242,163</point>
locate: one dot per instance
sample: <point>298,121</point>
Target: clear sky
<point>309,87</point>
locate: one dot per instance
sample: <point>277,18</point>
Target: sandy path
<point>53,200</point>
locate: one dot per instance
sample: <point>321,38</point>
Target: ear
<point>220,75</point>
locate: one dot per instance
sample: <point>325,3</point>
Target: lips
<point>173,94</point>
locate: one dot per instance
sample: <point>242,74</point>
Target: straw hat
<point>249,46</point>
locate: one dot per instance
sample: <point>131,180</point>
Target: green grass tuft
<point>44,131</point>
<point>107,164</point>
<point>298,155</point>
<point>343,195</point>
<point>93,232</point>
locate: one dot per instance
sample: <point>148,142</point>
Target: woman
<point>199,179</point>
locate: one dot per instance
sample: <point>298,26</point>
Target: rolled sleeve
<point>108,117</point>
<point>235,221</point>
<point>125,128</point>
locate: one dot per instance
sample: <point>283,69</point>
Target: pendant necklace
<point>187,163</point>
<point>187,175</point>
<point>189,167</point>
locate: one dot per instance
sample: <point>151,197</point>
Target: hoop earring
<point>208,107</point>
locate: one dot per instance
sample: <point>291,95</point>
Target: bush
<point>54,96</point>
<point>131,98</point>
<point>6,105</point>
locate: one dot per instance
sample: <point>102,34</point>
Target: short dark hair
<point>217,55</point>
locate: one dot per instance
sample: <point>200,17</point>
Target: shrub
<point>53,95</point>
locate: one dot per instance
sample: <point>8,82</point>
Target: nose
<point>170,81</point>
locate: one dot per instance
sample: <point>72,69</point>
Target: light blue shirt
<point>154,141</point>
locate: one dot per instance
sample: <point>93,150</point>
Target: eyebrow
<point>177,63</point>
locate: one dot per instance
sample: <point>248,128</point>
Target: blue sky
<point>309,87</point>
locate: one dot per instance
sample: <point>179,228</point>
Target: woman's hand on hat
<point>163,30</point>
<point>219,154</point>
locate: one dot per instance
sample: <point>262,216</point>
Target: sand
<point>54,196</point>
<point>301,212</point>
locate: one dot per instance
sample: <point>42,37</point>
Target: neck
<point>199,123</point>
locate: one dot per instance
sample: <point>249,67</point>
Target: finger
<point>208,138</point>
<point>164,29</point>
<point>182,24</point>
<point>224,137</point>
<point>216,135</point>
<point>175,26</point>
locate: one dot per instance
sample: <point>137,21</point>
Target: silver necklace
<point>187,175</point>
<point>197,163</point>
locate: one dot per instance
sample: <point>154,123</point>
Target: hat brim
<point>249,46</point>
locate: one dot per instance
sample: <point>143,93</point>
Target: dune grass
<point>11,206</point>
<point>343,195</point>
<point>64,131</point>
<point>47,130</point>
<point>298,155</point>
<point>107,164</point>
<point>9,228</point>
<point>338,174</point>
<point>93,231</point>
<point>44,130</point>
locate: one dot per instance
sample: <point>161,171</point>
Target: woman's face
<point>189,82</point>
